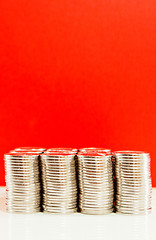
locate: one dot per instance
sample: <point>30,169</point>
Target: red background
<point>78,73</point>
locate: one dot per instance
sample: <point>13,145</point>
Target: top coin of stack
<point>29,149</point>
<point>94,149</point>
<point>65,150</point>
<point>95,181</point>
<point>22,180</point>
<point>133,182</point>
<point>59,181</point>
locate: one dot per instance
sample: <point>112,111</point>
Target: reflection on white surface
<point>77,226</point>
<point>39,226</point>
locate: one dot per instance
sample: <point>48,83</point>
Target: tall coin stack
<point>95,181</point>
<point>22,181</point>
<point>59,181</point>
<point>133,182</point>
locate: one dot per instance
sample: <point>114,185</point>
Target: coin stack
<point>133,182</point>
<point>22,181</point>
<point>59,181</point>
<point>95,182</point>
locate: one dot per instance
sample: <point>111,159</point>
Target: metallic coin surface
<point>22,181</point>
<point>59,181</point>
<point>133,182</point>
<point>96,191</point>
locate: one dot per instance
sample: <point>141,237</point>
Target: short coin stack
<point>22,180</point>
<point>133,182</point>
<point>59,181</point>
<point>95,181</point>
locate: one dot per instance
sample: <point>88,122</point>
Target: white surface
<point>76,226</point>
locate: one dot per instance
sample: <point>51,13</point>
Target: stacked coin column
<point>133,182</point>
<point>95,183</point>
<point>59,182</point>
<point>22,182</point>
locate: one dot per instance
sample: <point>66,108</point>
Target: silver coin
<point>68,187</point>
<point>57,183</point>
<point>131,170</point>
<point>24,192</point>
<point>96,206</point>
<point>60,175</point>
<point>93,211</point>
<point>21,163</point>
<point>60,202</point>
<point>96,170</point>
<point>60,190</point>
<point>20,159</point>
<point>96,202</point>
<point>58,194</point>
<point>60,205</point>
<point>22,204</point>
<point>59,169</point>
<point>93,194</point>
<point>97,198</point>
<point>58,211</point>
<point>19,185</point>
<point>23,210</point>
<point>23,185</point>
<point>67,160</point>
<point>20,196</point>
<point>60,208</point>
<point>96,178</point>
